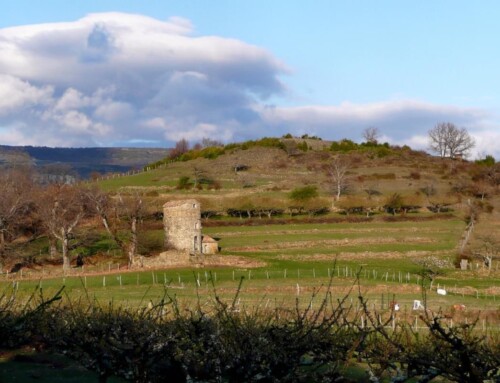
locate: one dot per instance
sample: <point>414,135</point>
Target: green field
<point>283,263</point>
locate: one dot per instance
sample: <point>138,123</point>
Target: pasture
<point>285,264</point>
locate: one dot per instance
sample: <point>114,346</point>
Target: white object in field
<point>417,305</point>
<point>441,291</point>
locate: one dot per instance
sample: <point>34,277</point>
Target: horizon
<point>123,74</point>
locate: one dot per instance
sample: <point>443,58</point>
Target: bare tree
<point>181,147</point>
<point>61,209</point>
<point>114,212</point>
<point>131,209</point>
<point>338,172</point>
<point>488,250</point>
<point>371,135</point>
<point>208,142</point>
<point>15,187</point>
<point>449,141</point>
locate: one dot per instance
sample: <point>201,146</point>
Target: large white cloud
<point>103,78</point>
<point>115,78</point>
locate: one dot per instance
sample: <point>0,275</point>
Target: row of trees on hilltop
<point>445,139</point>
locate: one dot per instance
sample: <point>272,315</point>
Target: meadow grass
<point>297,262</point>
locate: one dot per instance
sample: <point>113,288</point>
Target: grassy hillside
<point>373,173</point>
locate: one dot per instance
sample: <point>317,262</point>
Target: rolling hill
<point>80,161</point>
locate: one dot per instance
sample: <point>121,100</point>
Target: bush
<point>297,345</point>
<point>415,175</point>
<point>303,194</point>
<point>343,146</point>
<point>184,183</point>
<point>394,203</point>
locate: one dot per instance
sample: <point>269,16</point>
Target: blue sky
<point>234,70</point>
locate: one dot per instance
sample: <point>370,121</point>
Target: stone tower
<point>182,224</point>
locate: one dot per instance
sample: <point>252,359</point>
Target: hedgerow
<point>226,343</point>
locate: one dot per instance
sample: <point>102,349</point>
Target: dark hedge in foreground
<point>222,344</point>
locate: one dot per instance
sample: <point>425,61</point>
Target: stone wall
<point>182,225</point>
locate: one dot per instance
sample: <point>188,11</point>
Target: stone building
<point>209,245</point>
<point>182,225</point>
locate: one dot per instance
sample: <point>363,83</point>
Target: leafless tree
<point>338,172</point>
<point>114,212</point>
<point>198,175</point>
<point>371,135</point>
<point>208,142</point>
<point>489,249</point>
<point>492,174</point>
<point>15,187</point>
<point>61,209</point>
<point>181,147</point>
<point>131,208</point>
<point>449,141</point>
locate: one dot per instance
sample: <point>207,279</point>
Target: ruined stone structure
<point>182,224</point>
<point>209,245</point>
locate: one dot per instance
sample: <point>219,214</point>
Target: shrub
<point>184,183</point>
<point>415,175</point>
<point>393,203</point>
<point>486,161</point>
<point>303,146</point>
<point>226,345</point>
<point>344,146</point>
<point>303,194</point>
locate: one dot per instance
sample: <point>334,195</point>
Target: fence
<point>112,275</point>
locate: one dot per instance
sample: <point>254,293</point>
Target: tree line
<point>30,211</point>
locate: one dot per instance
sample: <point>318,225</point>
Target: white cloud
<point>107,73</point>
<point>487,142</point>
<point>16,94</point>
<point>72,99</point>
<point>396,119</point>
<point>114,77</point>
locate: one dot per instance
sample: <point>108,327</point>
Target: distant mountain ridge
<point>82,161</point>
